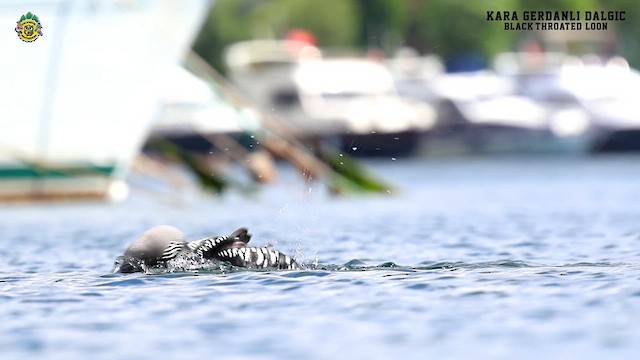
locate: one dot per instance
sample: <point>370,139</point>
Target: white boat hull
<point>84,95</point>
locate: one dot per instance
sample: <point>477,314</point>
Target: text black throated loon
<point>163,243</point>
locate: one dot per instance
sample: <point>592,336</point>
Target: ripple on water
<point>124,281</point>
<point>519,264</point>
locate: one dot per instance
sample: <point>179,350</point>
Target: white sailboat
<point>77,103</point>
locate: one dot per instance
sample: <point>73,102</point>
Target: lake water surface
<point>503,258</point>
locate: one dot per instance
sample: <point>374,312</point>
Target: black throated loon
<point>163,243</point>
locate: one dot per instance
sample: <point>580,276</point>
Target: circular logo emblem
<point>29,27</point>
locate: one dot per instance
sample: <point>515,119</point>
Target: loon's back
<point>162,243</point>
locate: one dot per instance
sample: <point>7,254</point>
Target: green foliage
<point>381,23</point>
<point>551,5</point>
<point>442,27</point>
<point>334,23</point>
<point>351,177</point>
<point>459,26</point>
<point>629,29</point>
<point>207,180</point>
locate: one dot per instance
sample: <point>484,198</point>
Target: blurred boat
<point>350,99</point>
<point>485,112</point>
<point>78,102</point>
<point>589,98</point>
<point>477,112</point>
<point>194,114</point>
<point>534,103</point>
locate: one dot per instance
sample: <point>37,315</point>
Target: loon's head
<point>149,247</point>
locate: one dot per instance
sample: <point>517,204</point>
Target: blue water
<point>507,258</point>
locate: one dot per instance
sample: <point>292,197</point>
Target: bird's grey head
<point>149,247</point>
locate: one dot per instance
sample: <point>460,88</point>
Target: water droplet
<point>388,191</point>
<point>396,138</point>
<point>340,154</point>
<point>284,207</point>
<point>354,148</point>
<point>393,159</point>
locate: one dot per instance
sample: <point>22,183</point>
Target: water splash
<point>188,263</point>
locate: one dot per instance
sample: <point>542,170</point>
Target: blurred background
<point>256,83</point>
<point>442,180</point>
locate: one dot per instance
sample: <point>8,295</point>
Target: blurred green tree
<point>449,28</point>
<point>381,23</point>
<point>333,22</point>
<point>629,29</point>
<point>457,28</point>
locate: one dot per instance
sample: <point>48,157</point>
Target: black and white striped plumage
<point>156,247</point>
<point>253,257</point>
<point>234,249</point>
